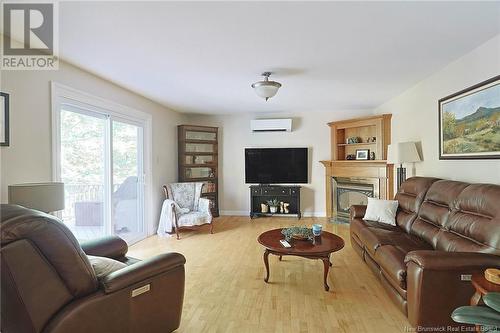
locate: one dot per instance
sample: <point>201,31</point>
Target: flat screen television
<point>276,165</point>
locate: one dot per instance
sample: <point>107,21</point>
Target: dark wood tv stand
<point>262,193</point>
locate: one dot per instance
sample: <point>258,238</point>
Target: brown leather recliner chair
<point>446,230</point>
<point>48,283</point>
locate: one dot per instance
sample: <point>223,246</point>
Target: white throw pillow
<point>383,211</point>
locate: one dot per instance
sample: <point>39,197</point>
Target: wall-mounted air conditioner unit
<point>271,125</point>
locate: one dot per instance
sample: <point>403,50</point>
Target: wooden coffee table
<point>321,248</point>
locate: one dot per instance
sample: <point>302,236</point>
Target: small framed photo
<point>4,119</point>
<point>362,154</point>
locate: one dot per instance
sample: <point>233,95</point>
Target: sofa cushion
<point>474,222</point>
<point>435,209</point>
<point>410,196</point>
<point>359,224</point>
<point>374,238</point>
<point>391,261</point>
<point>391,258</point>
<point>104,266</point>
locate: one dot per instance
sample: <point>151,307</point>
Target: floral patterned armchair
<point>184,208</point>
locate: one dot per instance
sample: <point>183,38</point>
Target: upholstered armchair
<point>184,208</point>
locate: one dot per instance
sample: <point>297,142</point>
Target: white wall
<point>309,130</point>
<point>414,119</point>
<point>415,114</point>
<point>29,159</point>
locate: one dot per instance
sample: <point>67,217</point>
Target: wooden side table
<point>482,287</point>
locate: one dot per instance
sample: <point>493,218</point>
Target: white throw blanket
<point>167,217</point>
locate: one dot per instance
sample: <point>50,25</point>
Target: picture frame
<point>469,122</point>
<point>4,119</point>
<point>362,154</point>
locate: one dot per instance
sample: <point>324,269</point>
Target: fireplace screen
<point>350,192</point>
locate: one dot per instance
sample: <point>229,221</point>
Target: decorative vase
<point>281,207</point>
<point>286,208</point>
<point>263,208</point>
<point>273,209</point>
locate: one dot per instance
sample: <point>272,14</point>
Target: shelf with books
<point>198,147</point>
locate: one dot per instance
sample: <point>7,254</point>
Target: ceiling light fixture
<point>266,89</point>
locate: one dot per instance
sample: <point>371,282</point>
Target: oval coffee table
<point>321,249</point>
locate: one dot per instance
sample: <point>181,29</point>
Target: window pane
<point>82,171</point>
<point>127,188</point>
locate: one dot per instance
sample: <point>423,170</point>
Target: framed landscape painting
<point>469,122</point>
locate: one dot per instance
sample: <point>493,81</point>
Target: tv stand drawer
<point>271,190</point>
<point>256,191</point>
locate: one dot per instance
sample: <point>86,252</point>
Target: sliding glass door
<point>128,182</point>
<point>83,142</point>
<point>102,167</point>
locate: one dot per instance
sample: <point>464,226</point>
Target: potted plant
<point>273,205</point>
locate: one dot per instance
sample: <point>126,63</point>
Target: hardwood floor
<point>225,291</point>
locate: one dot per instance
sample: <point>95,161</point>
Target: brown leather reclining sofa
<point>446,230</point>
<point>49,285</point>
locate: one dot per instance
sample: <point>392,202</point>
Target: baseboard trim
<point>247,213</point>
<point>234,213</point>
<point>314,214</point>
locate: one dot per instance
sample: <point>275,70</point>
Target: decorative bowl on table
<point>298,233</point>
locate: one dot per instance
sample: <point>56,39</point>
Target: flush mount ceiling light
<point>266,89</point>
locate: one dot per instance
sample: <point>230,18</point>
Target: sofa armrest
<point>141,271</point>
<point>439,282</point>
<point>357,211</point>
<point>110,247</point>
<point>452,261</point>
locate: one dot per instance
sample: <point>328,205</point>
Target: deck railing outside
<point>81,193</point>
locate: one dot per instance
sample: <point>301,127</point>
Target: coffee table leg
<point>266,262</point>
<point>330,261</point>
<point>326,264</point>
<point>280,258</point>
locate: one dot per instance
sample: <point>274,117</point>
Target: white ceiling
<point>201,57</point>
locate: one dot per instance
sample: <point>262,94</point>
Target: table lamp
<point>45,197</point>
<point>402,152</point>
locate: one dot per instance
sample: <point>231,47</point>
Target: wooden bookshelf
<point>378,127</point>
<point>198,160</point>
